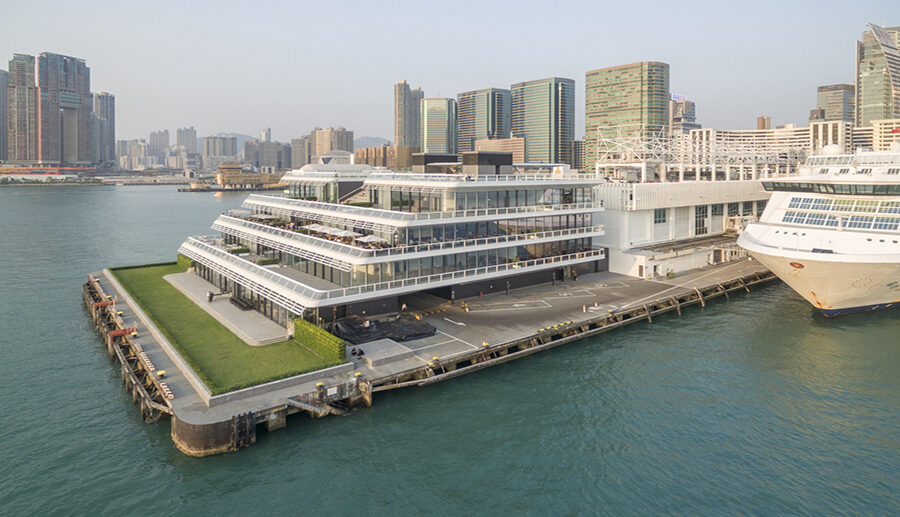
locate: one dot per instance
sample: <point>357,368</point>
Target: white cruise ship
<point>833,232</point>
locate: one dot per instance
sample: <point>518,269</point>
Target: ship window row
<point>845,205</point>
<point>863,222</point>
<point>860,189</point>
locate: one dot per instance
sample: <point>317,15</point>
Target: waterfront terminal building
<point>344,242</point>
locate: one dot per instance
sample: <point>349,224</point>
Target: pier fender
<point>203,439</point>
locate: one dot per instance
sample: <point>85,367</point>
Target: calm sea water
<point>754,406</point>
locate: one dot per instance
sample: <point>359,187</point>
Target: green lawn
<point>219,357</point>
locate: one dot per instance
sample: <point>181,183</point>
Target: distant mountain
<point>369,141</point>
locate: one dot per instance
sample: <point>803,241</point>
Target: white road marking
<point>456,338</point>
<point>455,323</point>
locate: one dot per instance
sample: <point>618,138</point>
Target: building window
<point>760,207</point>
<point>732,209</point>
<point>748,207</point>
<point>659,216</point>
<point>718,209</point>
<point>700,214</point>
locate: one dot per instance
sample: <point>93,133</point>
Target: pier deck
<point>495,328</point>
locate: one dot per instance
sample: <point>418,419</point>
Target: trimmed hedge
<point>329,346</point>
<point>183,262</point>
<point>236,251</point>
<point>267,261</point>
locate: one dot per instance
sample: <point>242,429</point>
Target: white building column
<point>643,172</point>
<point>681,172</point>
<point>712,174</point>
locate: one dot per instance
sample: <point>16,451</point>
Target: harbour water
<point>753,406</point>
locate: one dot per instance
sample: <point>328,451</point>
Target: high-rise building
<point>837,101</point>
<point>543,113</point>
<point>330,139</point>
<point>66,105</point>
<point>877,75</point>
<point>763,122</point>
<point>406,114</point>
<point>104,136</point>
<point>265,135</point>
<point>22,111</point>
<point>437,125</point>
<point>272,156</point>
<point>682,115</point>
<point>187,137</point>
<point>220,146</point>
<point>625,99</point>
<point>159,144</point>
<point>299,152</point>
<point>482,114</point>
<point>4,82</point>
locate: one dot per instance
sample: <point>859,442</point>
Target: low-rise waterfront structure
<point>451,235</point>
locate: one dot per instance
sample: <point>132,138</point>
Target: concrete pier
<point>486,331</point>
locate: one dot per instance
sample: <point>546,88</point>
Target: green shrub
<point>184,262</point>
<point>329,346</point>
<point>236,251</point>
<point>267,261</point>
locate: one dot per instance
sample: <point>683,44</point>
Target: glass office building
<point>628,96</point>
<point>482,114</point>
<point>543,113</point>
<point>878,75</point>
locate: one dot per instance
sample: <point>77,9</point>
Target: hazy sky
<point>241,66</point>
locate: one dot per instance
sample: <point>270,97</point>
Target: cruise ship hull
<point>833,286</point>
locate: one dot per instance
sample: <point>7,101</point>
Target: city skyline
<point>173,89</point>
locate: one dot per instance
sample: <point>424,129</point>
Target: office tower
<point>437,125</point>
<point>159,144</point>
<point>104,118</point>
<point>816,115</point>
<point>837,101</point>
<point>187,137</point>
<point>578,155</point>
<point>625,99</point>
<point>877,75</point>
<point>4,82</point>
<point>66,104</point>
<point>265,135</point>
<point>406,114</point>
<point>543,113</point>
<point>763,122</point>
<point>482,114</point>
<point>220,146</point>
<point>22,111</point>
<point>682,115</point>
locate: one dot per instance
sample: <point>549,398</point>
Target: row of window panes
<point>373,273</point>
<point>745,208</point>
<point>845,205</point>
<point>433,202</point>
<point>856,221</point>
<point>860,189</point>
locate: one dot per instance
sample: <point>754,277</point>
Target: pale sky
<point>240,66</point>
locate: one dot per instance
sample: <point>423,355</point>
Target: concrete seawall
<point>202,426</point>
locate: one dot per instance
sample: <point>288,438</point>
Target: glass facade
<point>878,75</point>
<point>543,113</point>
<point>633,96</point>
<point>482,114</point>
<point>438,125</point>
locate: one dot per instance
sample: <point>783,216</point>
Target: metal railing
<point>222,225</point>
<point>262,202</point>
<point>484,178</point>
<point>241,270</point>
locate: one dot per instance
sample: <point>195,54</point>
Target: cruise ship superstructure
<point>452,235</point>
<point>833,233</point>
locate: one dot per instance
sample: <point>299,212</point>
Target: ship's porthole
<point>796,265</point>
